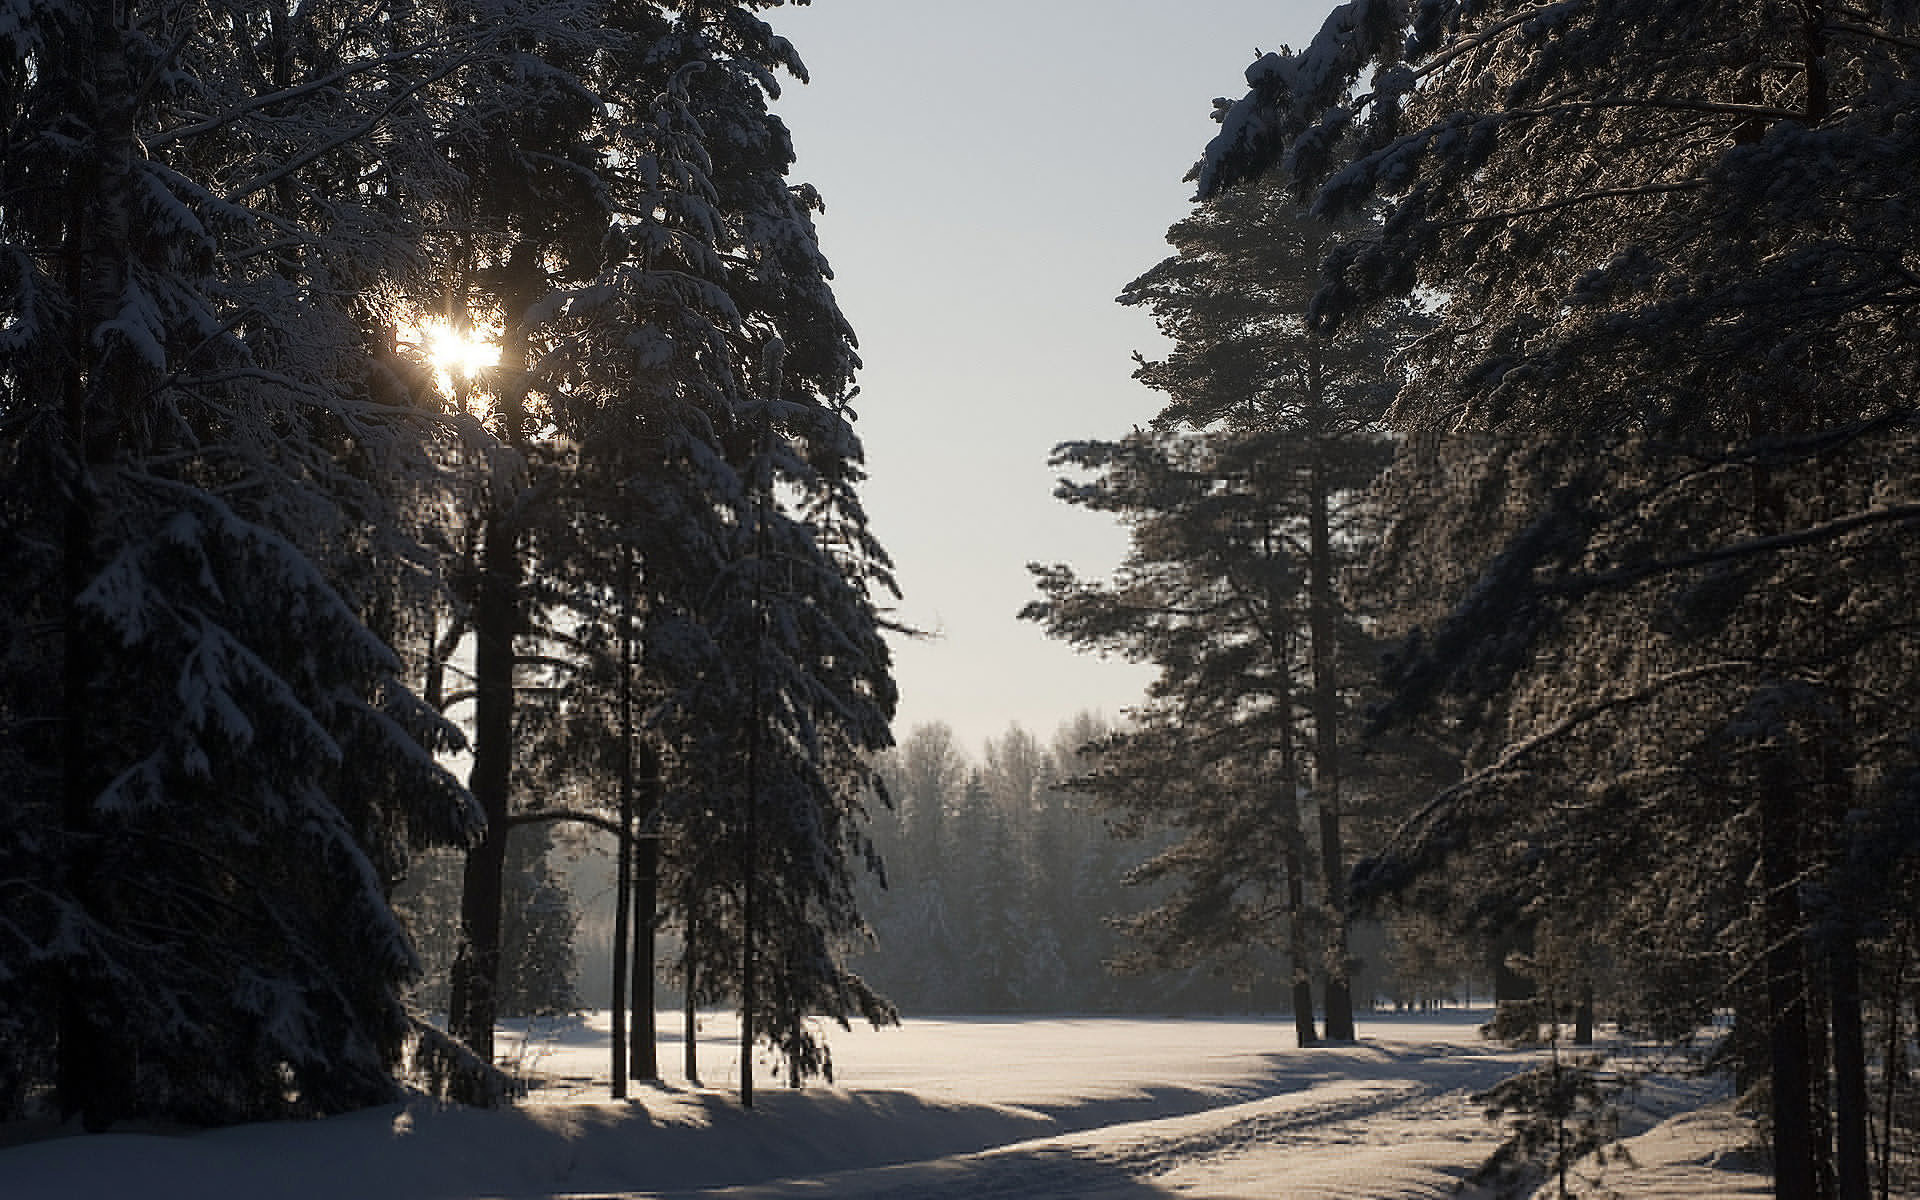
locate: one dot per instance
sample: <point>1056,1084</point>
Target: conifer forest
<point>428,448</point>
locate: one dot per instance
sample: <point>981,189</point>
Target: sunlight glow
<point>459,353</point>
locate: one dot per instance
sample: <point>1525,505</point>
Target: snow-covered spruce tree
<point>218,772</point>
<point>804,689</point>
<point>1671,248</point>
<point>532,220</point>
<point>794,616</point>
<point>714,506</point>
<point>700,244</point>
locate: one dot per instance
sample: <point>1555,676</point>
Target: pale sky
<point>995,172</point>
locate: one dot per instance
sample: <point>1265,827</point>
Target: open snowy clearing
<point>975,1108</point>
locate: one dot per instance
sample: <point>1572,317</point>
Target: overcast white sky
<point>995,172</point>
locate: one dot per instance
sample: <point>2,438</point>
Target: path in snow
<point>1386,1119</point>
<point>1268,1148</point>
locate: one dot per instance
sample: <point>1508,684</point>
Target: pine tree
<point>1209,595</point>
<point>1234,300</point>
<point>1240,532</point>
<point>1662,245</point>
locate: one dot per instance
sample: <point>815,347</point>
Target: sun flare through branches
<point>459,353</point>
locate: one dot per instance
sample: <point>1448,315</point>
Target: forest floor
<point>974,1108</point>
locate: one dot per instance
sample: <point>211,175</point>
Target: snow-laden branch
<point>346,137</point>
<point>1873,35</point>
<point>538,816</point>
<point>1514,757</point>
<point>1769,544</point>
<point>1573,201</point>
<point>1723,108</point>
<point>322,83</point>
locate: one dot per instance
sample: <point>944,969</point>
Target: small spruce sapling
<point>1559,1115</point>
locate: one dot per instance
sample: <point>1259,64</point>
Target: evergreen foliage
<point>1245,507</point>
<point>1003,889</point>
<point>217,772</point>
<point>1670,391</point>
<point>1558,1116</point>
<point>668,536</point>
<point>239,508</point>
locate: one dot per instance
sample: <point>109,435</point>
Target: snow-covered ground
<point>1118,1109</point>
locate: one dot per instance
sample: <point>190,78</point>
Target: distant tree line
<point>275,546</point>
<point>1002,888</point>
<point>1538,467</point>
<point>1009,889</point>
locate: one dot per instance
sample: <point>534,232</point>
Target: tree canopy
<point>261,552</point>
<point>1669,391</point>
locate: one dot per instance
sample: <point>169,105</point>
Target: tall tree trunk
<point>690,975</point>
<point>622,909</point>
<point>1305,1033</point>
<point>476,970</point>
<point>1819,1070</point>
<point>756,740</point>
<point>79,1082</point>
<point>623,849</point>
<point>1839,749</point>
<point>1790,1046</point>
<point>749,855</point>
<point>1294,839</point>
<point>1775,771</point>
<point>93,1074</point>
<point>1321,624</point>
<point>1278,631</point>
<point>497,621</point>
<point>1852,1176</point>
<point>84,1081</point>
<point>646,901</point>
<point>1893,1069</point>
